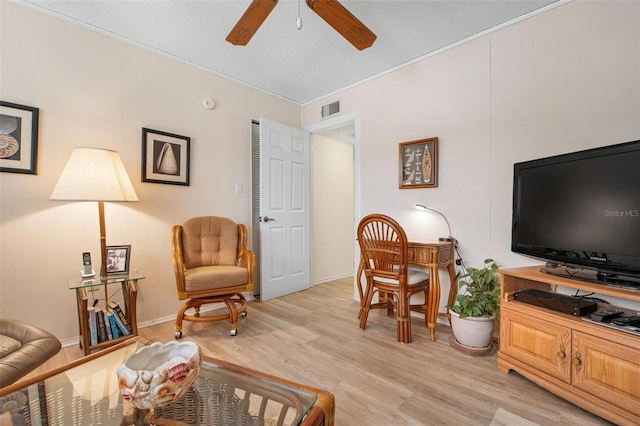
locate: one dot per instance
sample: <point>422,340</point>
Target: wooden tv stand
<point>588,364</point>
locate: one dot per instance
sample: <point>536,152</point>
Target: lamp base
<point>447,239</point>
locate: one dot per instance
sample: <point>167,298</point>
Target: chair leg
<point>243,305</point>
<point>179,317</point>
<point>233,315</point>
<point>359,286</point>
<point>368,297</point>
<point>388,299</point>
<point>237,307</point>
<point>403,318</point>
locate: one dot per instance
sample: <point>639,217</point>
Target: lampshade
<point>94,174</point>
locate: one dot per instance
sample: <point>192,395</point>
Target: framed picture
<point>18,138</point>
<point>165,157</point>
<point>118,259</point>
<point>419,164</point>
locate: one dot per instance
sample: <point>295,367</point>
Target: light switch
<point>238,188</point>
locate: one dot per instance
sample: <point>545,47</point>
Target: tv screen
<point>582,210</point>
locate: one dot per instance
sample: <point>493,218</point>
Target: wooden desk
<point>433,256</point>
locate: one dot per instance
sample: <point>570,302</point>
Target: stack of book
<point>107,323</point>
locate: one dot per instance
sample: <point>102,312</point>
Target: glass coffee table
<point>85,392</point>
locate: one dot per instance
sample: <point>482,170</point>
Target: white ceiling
<point>298,65</point>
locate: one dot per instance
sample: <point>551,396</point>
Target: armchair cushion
<point>208,241</point>
<point>8,345</point>
<point>214,277</point>
<point>413,277</point>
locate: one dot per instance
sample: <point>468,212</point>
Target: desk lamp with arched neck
<point>422,207</point>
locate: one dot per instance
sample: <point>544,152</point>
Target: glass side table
<point>83,286</point>
<point>86,392</point>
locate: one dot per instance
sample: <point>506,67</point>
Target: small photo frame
<point>165,157</point>
<point>418,164</point>
<point>118,259</point>
<point>18,138</point>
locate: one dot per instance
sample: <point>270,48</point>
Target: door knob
<point>267,219</point>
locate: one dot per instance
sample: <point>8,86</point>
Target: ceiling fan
<point>331,11</point>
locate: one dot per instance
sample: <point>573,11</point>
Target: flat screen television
<point>581,211</point>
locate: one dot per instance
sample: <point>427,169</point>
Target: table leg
<point>83,319</point>
<point>453,288</point>
<point>130,293</point>
<point>433,300</point>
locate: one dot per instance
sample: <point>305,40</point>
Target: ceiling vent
<point>330,109</point>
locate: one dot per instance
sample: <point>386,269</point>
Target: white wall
<point>332,222</point>
<point>561,81</point>
<point>93,90</point>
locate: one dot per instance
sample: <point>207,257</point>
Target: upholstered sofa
<point>23,347</point>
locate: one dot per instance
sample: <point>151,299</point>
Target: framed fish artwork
<point>165,157</point>
<point>18,138</point>
<point>419,164</point>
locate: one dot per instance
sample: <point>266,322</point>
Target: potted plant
<point>475,308</point>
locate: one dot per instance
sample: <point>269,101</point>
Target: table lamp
<point>95,174</point>
<point>422,207</point>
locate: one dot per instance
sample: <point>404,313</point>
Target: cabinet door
<point>607,370</point>
<point>538,343</point>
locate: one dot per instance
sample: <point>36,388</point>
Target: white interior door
<point>285,217</point>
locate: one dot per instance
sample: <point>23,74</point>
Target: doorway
<point>332,208</point>
<point>333,216</point>
<point>343,134</point>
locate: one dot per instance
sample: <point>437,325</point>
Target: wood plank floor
<point>312,337</point>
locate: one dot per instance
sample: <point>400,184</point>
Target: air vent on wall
<point>330,109</point>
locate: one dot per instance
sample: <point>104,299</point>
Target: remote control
<point>627,321</point>
<point>602,315</point>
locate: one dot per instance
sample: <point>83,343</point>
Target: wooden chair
<point>383,247</point>
<point>212,265</point>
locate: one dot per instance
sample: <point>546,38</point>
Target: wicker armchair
<point>383,247</point>
<point>212,265</point>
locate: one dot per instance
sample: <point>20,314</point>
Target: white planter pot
<point>472,332</point>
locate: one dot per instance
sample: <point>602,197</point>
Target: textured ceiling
<point>299,65</point>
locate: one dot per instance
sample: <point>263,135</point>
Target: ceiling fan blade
<point>250,21</point>
<point>350,27</point>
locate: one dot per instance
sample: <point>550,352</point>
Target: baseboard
<point>70,342</point>
<point>335,277</point>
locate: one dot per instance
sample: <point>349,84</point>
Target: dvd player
<point>557,302</point>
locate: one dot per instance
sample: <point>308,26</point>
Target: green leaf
<point>479,291</point>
